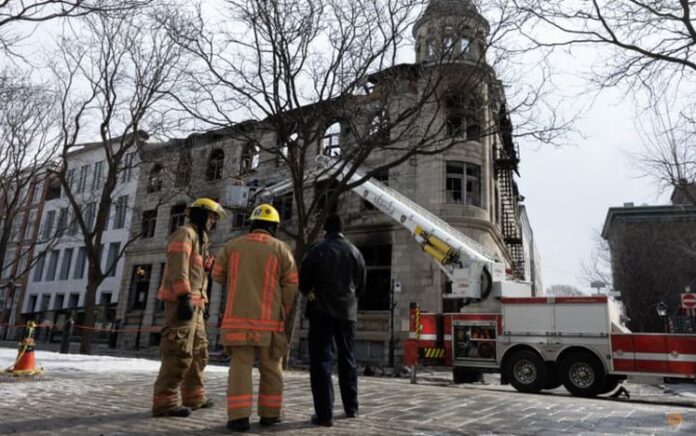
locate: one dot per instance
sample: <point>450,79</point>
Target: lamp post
<point>138,276</point>
<point>661,309</point>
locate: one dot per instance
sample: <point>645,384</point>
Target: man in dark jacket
<point>332,277</point>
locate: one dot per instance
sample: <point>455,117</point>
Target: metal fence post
<point>67,334</point>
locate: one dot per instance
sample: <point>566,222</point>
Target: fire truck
<point>535,343</point>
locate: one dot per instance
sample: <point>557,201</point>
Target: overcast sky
<point>568,190</point>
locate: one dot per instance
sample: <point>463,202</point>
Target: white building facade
<point>57,283</point>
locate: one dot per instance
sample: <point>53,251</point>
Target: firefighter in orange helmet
<point>261,279</point>
<point>184,346</point>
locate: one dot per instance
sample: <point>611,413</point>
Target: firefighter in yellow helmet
<point>184,346</point>
<point>261,277</point>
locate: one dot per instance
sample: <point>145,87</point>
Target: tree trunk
<point>294,321</point>
<point>90,300</point>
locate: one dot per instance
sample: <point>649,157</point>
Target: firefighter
<point>261,277</point>
<point>184,346</point>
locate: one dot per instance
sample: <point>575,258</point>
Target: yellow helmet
<point>265,212</point>
<point>209,205</point>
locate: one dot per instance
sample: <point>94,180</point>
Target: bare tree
<point>563,291</point>
<point>652,40</point>
<point>28,149</point>
<point>300,68</point>
<point>597,269</point>
<point>112,73</point>
<point>669,156</point>
<point>647,48</point>
<point>14,12</point>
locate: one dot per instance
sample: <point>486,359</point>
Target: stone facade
<point>462,185</point>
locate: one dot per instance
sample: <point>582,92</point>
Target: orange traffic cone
<point>25,364</point>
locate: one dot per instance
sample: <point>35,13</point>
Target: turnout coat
<point>261,277</point>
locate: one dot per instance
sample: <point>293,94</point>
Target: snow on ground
<point>56,363</point>
<point>683,390</point>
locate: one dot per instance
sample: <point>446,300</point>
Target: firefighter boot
<point>269,420</point>
<point>207,405</point>
<point>238,425</point>
<point>181,412</point>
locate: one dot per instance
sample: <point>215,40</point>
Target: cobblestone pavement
<point>91,403</point>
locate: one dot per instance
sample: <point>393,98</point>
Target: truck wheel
<point>465,375</point>
<point>526,371</point>
<point>583,374</point>
<point>552,380</point>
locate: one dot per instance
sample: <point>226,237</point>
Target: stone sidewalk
<point>114,404</point>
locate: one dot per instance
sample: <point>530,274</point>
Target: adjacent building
<point>20,253</point>
<point>653,253</point>
<point>472,186</point>
<point>57,283</point>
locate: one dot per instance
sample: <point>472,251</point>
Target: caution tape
<point>151,329</point>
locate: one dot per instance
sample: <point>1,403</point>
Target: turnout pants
<point>324,331</point>
<point>239,385</point>
<point>184,350</point>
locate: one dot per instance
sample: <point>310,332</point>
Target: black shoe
<point>322,422</point>
<point>241,424</point>
<point>351,414</point>
<point>207,405</point>
<point>181,412</point>
<point>269,420</point>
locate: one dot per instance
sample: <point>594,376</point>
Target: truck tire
<point>583,374</point>
<point>552,380</point>
<point>526,371</point>
<point>466,375</point>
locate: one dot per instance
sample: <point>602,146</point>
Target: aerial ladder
<point>475,274</point>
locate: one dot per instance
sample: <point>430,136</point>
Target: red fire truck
<point>535,343</point>
<point>541,343</point>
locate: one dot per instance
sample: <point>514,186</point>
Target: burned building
<point>470,183</point>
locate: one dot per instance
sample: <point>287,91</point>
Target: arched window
<point>284,144</point>
<point>379,129</point>
<point>183,170</point>
<point>250,158</point>
<point>463,117</point>
<point>432,51</point>
<point>465,46</point>
<point>154,182</point>
<point>331,141</point>
<point>448,41</point>
<point>216,162</point>
<point>473,120</point>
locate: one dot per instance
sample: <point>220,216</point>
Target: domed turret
<point>450,31</point>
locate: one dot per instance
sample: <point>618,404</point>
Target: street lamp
<point>661,309</point>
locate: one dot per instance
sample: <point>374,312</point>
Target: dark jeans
<point>324,330</point>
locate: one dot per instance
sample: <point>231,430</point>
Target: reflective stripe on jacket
<point>261,277</point>
<point>184,272</point>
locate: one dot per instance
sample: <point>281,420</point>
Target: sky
<point>569,189</point>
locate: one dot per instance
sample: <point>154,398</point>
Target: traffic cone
<point>25,364</point>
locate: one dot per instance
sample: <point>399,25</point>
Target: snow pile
<point>56,363</point>
<point>682,389</point>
